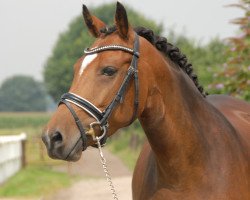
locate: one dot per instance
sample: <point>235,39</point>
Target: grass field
<point>34,180</point>
<point>37,178</point>
<point>23,120</point>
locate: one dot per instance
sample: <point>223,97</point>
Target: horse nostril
<point>46,140</point>
<point>57,137</point>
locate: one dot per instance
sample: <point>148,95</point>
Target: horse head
<point>104,95</point>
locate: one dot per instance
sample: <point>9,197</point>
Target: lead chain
<point>105,169</point>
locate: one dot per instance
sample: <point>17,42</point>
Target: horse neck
<point>176,120</point>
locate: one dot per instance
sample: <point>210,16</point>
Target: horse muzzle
<point>58,149</point>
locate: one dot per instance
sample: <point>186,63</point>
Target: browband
<point>88,51</point>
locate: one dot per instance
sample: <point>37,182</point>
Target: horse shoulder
<point>237,112</point>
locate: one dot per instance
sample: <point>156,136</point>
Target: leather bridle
<point>102,117</point>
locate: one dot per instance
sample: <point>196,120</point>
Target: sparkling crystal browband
<point>110,47</point>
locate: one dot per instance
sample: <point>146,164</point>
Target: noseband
<point>102,117</point>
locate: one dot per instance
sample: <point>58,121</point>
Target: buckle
<point>137,54</point>
<point>132,69</point>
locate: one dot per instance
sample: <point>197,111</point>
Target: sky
<point>29,29</point>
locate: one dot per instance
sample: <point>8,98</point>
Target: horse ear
<point>93,23</point>
<point>121,20</point>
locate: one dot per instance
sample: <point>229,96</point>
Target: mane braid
<point>165,47</point>
<point>172,52</point>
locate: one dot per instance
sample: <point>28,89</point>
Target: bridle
<point>102,117</point>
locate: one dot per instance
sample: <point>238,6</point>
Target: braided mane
<point>167,49</point>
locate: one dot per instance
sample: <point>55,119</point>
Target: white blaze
<point>86,61</point>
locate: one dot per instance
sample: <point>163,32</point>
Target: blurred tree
<point>206,58</point>
<point>58,72</point>
<point>236,71</point>
<point>22,93</point>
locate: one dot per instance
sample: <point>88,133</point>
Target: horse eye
<point>109,71</point>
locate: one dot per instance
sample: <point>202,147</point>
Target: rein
<point>102,117</point>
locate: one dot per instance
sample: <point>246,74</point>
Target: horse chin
<point>75,153</point>
<point>73,157</point>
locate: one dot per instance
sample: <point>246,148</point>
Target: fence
<point>12,155</point>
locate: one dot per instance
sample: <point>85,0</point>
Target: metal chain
<point>105,169</point>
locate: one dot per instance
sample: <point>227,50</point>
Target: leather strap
<point>134,63</point>
<point>132,71</point>
<point>84,103</point>
<point>78,123</point>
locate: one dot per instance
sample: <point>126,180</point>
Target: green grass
<point>34,181</point>
<point>128,156</point>
<point>23,120</point>
<point>127,144</point>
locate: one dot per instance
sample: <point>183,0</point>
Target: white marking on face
<point>86,61</point>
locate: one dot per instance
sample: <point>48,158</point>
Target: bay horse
<point>198,145</point>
